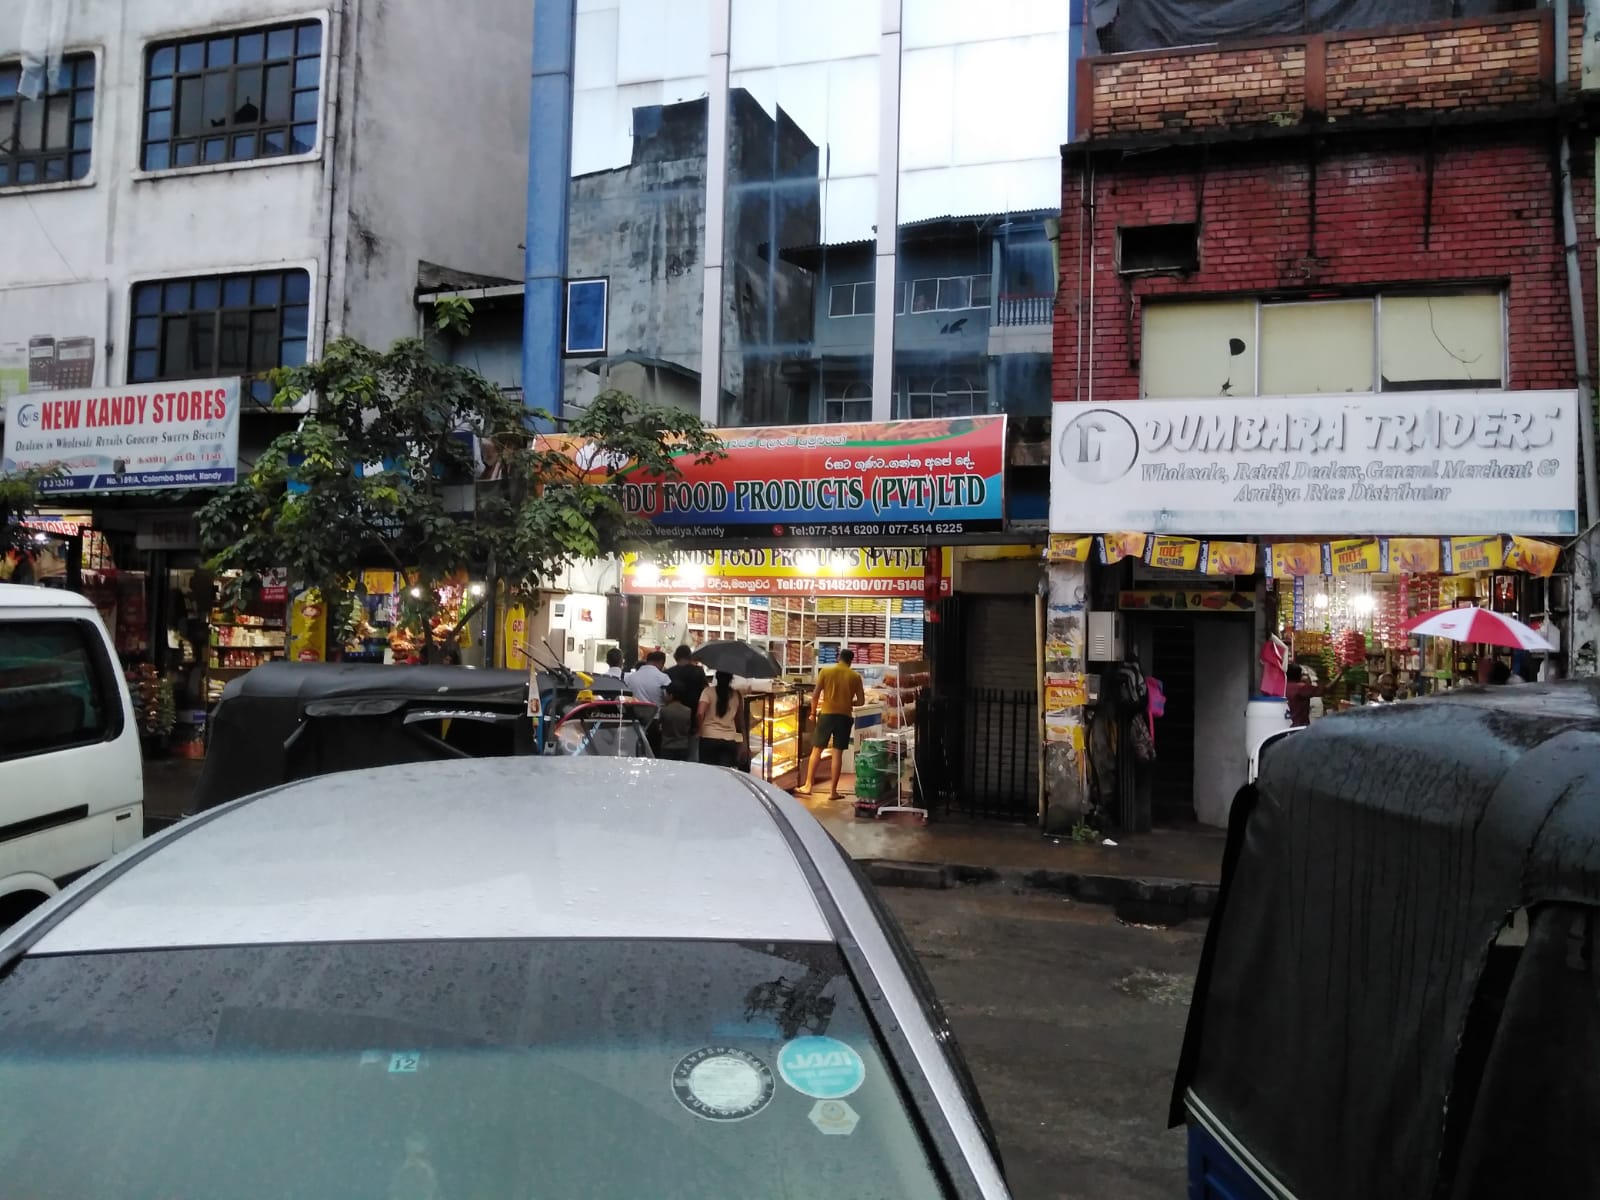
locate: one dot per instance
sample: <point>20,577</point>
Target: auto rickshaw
<point>285,721</point>
<point>1399,993</point>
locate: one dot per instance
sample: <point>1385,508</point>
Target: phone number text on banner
<point>124,439</point>
<point>915,478</point>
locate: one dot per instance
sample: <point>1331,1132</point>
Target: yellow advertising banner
<point>1468,554</point>
<point>1354,556</point>
<point>859,571</point>
<point>1173,553</point>
<point>1289,559</point>
<point>1228,558</point>
<point>1414,556</point>
<point>1534,557</point>
<point>514,637</point>
<point>308,628</point>
<point>1065,548</point>
<point>1064,729</point>
<point>1114,547</point>
<point>380,583</point>
<point>1064,692</point>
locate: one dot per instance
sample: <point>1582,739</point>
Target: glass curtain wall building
<point>785,213</point>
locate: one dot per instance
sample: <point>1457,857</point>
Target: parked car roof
<point>483,848</point>
<point>27,595</point>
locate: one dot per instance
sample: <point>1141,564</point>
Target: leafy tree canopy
<point>425,467</point>
<point>19,499</point>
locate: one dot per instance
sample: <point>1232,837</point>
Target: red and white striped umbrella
<point>1476,625</point>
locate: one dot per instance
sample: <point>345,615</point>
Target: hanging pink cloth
<point>1156,705</point>
<point>1274,664</point>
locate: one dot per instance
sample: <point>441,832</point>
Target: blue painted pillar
<point>1077,19</point>
<point>549,172</point>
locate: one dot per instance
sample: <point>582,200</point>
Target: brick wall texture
<point>1281,82</point>
<point>1493,219</point>
<point>1218,88</point>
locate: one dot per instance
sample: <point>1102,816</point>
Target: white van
<point>71,781</point>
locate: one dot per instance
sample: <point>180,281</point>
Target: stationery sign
<point>149,435</point>
<point>883,479</point>
<point>1399,462</point>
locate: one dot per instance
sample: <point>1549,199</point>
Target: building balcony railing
<point>1344,78</point>
<point>1024,310</point>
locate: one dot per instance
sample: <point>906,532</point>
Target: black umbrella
<point>738,658</point>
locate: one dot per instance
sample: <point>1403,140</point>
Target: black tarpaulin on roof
<point>1121,25</point>
<point>1369,873</point>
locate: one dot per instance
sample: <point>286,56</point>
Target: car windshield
<point>450,1070</point>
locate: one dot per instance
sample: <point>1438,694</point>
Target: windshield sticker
<point>405,1062</point>
<point>835,1117</point>
<point>823,1068</point>
<point>722,1083</point>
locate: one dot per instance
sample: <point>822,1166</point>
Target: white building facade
<point>213,188</point>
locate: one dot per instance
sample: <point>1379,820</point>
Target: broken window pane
<point>1436,342</point>
<point>1201,349</point>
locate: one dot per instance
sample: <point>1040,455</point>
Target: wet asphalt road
<point>1071,1022</point>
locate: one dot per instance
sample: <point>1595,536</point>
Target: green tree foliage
<point>382,473</point>
<point>19,499</point>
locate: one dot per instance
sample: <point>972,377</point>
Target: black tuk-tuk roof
<point>317,681</point>
<point>1367,874</point>
<point>258,713</point>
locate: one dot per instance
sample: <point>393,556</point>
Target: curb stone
<point>1154,899</point>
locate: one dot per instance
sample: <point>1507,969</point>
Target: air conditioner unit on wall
<point>1104,641</point>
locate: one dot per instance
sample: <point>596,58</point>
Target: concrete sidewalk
<point>1166,875</point>
<point>1163,875</point>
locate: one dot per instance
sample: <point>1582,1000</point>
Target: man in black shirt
<point>688,681</point>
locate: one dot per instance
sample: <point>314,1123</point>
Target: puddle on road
<point>1158,987</point>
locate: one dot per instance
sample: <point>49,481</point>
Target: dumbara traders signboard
<point>888,479</point>
<point>1397,462</point>
<point>156,435</point>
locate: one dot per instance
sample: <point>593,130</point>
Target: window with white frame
<point>949,293</point>
<point>233,96</point>
<point>846,400</point>
<point>850,299</point>
<point>1389,342</point>
<point>930,396</point>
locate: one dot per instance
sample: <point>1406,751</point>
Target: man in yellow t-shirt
<point>838,692</point>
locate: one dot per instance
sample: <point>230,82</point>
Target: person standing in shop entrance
<point>838,692</point>
<point>723,729</point>
<point>1300,693</point>
<point>688,681</point>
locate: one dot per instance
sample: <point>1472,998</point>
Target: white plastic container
<point>1263,716</point>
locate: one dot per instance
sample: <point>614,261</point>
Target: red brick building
<point>1354,229</point>
<point>1337,165</point>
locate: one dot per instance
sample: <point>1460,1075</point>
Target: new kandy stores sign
<point>886,479</point>
<point>1407,462</point>
<point>154,435</point>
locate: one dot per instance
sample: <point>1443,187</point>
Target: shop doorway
<point>981,730</point>
<point>1203,663</point>
<point>1171,659</point>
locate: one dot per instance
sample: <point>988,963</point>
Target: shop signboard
<point>866,479</point>
<point>155,435</point>
<point>1362,463</point>
<point>781,571</point>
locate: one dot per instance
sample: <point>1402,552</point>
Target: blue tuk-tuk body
<point>1399,995</point>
